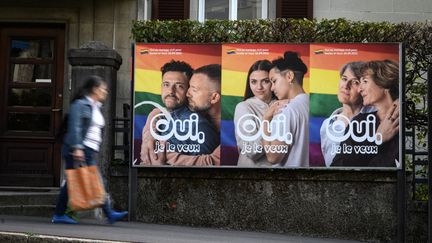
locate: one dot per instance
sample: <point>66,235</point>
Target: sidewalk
<point>37,229</point>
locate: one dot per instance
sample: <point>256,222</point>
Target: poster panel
<point>354,105</point>
<point>267,105</point>
<point>172,125</point>
<point>247,96</point>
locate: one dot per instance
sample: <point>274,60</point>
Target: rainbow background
<point>324,82</point>
<point>148,59</point>
<point>321,81</point>
<point>235,66</point>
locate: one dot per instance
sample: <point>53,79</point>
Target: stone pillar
<point>95,58</point>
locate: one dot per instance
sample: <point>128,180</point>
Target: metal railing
<point>122,137</point>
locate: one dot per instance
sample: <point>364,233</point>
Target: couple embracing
<point>192,103</point>
<point>272,121</point>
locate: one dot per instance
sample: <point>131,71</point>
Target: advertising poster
<point>354,105</point>
<point>267,105</point>
<point>247,95</point>
<point>176,105</point>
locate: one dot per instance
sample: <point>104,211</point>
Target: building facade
<point>35,75</point>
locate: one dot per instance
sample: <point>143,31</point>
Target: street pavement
<point>16,228</point>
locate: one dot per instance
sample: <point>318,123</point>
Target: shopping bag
<point>85,188</point>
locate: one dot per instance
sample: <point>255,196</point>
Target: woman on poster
<point>352,104</point>
<point>286,125</point>
<point>257,100</point>
<point>379,87</point>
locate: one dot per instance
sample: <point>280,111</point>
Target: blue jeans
<point>63,197</point>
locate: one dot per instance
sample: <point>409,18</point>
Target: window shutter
<point>170,9</point>
<point>294,9</point>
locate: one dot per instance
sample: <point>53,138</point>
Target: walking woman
<point>257,100</point>
<point>83,139</point>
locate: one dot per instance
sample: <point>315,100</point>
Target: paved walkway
<point>17,228</point>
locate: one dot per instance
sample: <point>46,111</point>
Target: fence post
<point>429,104</point>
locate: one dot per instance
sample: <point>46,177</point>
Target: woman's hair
<point>292,62</point>
<point>86,89</point>
<point>355,67</point>
<point>260,65</point>
<point>385,74</point>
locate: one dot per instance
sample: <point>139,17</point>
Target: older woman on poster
<point>257,100</point>
<point>352,104</point>
<point>286,127</point>
<point>379,87</point>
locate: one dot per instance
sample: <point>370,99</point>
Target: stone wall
<point>345,204</point>
<point>371,10</point>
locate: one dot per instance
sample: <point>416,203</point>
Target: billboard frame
<point>401,174</point>
<point>401,110</point>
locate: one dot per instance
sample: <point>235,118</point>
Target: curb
<point>31,237</point>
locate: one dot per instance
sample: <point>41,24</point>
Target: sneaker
<point>114,216</point>
<point>63,219</point>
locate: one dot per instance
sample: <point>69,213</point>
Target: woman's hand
<point>78,155</point>
<point>275,109</point>
<point>280,106</point>
<point>389,127</point>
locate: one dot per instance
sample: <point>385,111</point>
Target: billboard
<point>266,105</point>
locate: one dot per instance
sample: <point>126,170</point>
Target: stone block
<point>73,29</point>
<point>104,32</point>
<point>360,6</point>
<point>372,16</point>
<point>86,13</point>
<point>30,14</point>
<point>394,17</point>
<point>85,33</point>
<point>104,11</point>
<point>413,6</point>
<point>123,33</point>
<point>126,11</point>
<point>321,5</point>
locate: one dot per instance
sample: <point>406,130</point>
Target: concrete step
<point>35,201</point>
<point>40,180</point>
<point>47,211</point>
<point>11,198</point>
<point>28,189</point>
<point>28,210</point>
<point>28,201</point>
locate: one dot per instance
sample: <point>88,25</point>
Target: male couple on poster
<point>188,127</point>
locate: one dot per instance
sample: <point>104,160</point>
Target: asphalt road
<point>140,232</point>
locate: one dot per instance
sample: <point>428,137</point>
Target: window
<point>216,9</point>
<point>170,9</point>
<point>224,9</point>
<point>232,9</point>
<point>251,9</point>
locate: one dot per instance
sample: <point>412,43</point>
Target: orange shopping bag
<point>85,188</point>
